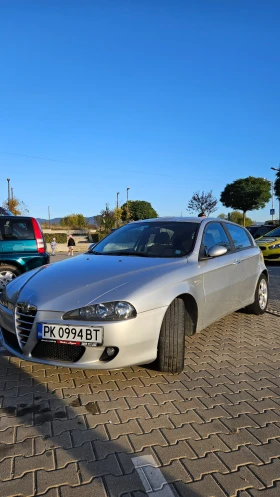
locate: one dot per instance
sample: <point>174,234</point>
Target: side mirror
<point>217,251</point>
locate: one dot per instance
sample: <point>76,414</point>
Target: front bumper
<point>271,255</point>
<point>136,340</point>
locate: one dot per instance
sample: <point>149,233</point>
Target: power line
<point>75,164</point>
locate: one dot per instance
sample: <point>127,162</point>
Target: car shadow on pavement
<point>74,431</point>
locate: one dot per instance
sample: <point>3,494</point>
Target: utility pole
<point>9,194</point>
<point>127,208</point>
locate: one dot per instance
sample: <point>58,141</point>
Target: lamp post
<point>118,209</point>
<point>9,196</point>
<point>278,170</point>
<point>127,208</point>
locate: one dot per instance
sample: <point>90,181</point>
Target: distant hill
<point>56,220</point>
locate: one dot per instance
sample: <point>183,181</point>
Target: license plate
<point>76,335</point>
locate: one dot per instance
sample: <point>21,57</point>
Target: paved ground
<point>213,431</point>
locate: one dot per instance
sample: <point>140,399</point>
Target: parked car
<point>22,247</point>
<point>270,245</point>
<point>260,230</point>
<point>135,296</point>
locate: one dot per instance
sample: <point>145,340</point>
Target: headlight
<point>107,311</point>
<point>276,246</point>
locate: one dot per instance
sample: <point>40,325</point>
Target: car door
<point>246,266</point>
<point>218,274</point>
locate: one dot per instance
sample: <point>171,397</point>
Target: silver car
<point>134,296</point>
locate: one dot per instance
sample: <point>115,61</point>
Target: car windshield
<point>274,233</point>
<point>155,239</point>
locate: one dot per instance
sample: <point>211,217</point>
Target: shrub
<point>60,237</point>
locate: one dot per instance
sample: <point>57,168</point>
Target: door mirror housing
<point>217,251</point>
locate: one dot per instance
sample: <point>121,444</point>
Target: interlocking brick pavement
<point>213,430</point>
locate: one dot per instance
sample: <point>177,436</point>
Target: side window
<point>214,234</point>
<point>15,229</point>
<point>239,237</point>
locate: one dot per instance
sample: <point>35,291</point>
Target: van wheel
<point>7,274</point>
<point>261,297</point>
<point>171,344</point>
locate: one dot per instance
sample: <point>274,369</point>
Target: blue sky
<point>165,97</point>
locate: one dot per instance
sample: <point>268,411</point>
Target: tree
<point>118,215</point>
<point>108,218</point>
<point>137,210</point>
<point>203,202</point>
<point>236,217</point>
<point>74,221</point>
<point>246,194</point>
<point>16,207</point>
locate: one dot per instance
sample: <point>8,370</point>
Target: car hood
<point>87,278</point>
<point>267,240</point>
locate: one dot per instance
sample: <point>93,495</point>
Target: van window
<point>16,229</point>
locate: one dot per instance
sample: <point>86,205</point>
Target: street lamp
<point>127,209</point>
<point>9,196</point>
<point>278,170</point>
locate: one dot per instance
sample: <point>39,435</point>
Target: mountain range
<point>56,220</point>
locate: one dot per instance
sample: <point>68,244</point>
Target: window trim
<point>232,247</point>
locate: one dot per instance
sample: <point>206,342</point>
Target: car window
<point>16,229</point>
<point>262,231</point>
<point>239,237</point>
<point>214,234</point>
<point>274,233</point>
<point>156,239</point>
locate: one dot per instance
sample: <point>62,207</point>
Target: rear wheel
<point>261,297</point>
<point>7,274</point>
<point>171,344</point>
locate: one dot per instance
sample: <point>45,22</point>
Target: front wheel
<point>171,344</point>
<point>7,274</point>
<point>260,303</point>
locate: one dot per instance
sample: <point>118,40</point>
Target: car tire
<point>7,274</point>
<point>260,303</point>
<point>171,344</point>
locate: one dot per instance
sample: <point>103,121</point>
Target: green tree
<point>246,194</point>
<point>203,202</point>
<point>74,221</point>
<point>16,206</point>
<point>108,218</point>
<point>277,185</point>
<point>236,217</point>
<point>137,210</point>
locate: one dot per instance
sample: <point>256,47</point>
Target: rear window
<point>16,229</point>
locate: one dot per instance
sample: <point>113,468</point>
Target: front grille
<point>272,256</point>
<point>58,351</point>
<point>25,315</point>
<point>11,340</point>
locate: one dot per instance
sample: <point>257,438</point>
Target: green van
<point>22,247</point>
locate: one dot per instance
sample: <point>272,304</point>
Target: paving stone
<point>25,464</point>
<point>162,421</point>
<point>105,447</point>
<point>268,492</point>
<point>82,453</point>
<point>172,452</point>
<point>93,489</point>
<point>266,433</point>
<point>268,451</point>
<point>236,440</point>
<point>48,442</point>
<point>211,444</point>
<point>123,429</point>
<point>108,466</point>
<point>49,479</point>
<point>25,485</point>
<point>97,433</point>
<point>139,442</point>
<point>184,433</point>
<point>24,448</point>
<point>240,480</point>
<point>212,428</point>
<point>136,413</point>
<point>267,473</point>
<point>6,467</point>
<point>206,487</point>
<point>109,417</point>
<point>205,465</point>
<point>241,457</point>
<point>117,486</point>
<point>28,432</point>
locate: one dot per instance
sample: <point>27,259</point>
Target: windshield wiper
<point>121,252</point>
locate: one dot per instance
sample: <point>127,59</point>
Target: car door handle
<point>237,261</point>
